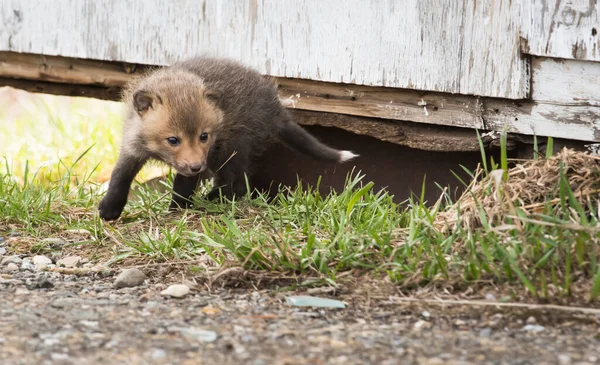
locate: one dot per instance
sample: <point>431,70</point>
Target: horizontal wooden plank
<point>54,88</point>
<point>415,135</point>
<point>565,82</point>
<point>466,47</point>
<point>66,70</point>
<point>539,117</point>
<point>562,28</point>
<point>544,119</point>
<point>387,103</point>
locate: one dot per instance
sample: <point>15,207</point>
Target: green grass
<point>551,254</point>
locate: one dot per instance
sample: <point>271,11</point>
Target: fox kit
<point>204,116</point>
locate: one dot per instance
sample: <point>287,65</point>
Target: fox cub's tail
<point>300,140</point>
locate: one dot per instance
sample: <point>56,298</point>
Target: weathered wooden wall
<point>396,60</point>
<point>562,28</point>
<point>465,47</point>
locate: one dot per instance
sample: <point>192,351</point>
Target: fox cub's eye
<point>173,141</point>
<point>204,137</point>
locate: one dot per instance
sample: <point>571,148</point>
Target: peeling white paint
<point>569,82</point>
<point>573,122</point>
<point>446,46</point>
<point>562,28</point>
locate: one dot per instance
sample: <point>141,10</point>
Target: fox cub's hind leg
<point>121,178</point>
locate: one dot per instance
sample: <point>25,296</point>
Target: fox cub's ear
<point>212,95</point>
<point>144,100</point>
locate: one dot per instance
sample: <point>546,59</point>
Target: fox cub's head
<point>178,119</point>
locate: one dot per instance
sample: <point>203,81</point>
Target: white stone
<point>41,260</point>
<point>69,261</point>
<point>176,291</point>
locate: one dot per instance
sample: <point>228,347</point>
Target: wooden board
<point>467,47</point>
<point>549,113</point>
<point>562,28</point>
<point>566,82</point>
<point>496,25</point>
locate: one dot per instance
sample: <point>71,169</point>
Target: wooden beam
<point>547,118</point>
<point>385,103</point>
<point>53,88</point>
<point>414,135</point>
<point>67,70</point>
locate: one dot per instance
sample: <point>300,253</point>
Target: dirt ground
<point>57,318</point>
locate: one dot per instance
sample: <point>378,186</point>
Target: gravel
<point>54,318</point>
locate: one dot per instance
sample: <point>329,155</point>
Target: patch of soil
<point>85,320</point>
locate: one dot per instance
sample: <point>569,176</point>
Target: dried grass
<point>531,186</point>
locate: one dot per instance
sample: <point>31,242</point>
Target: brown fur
<point>238,109</point>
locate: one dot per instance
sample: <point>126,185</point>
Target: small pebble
<point>62,302</point>
<point>460,322</point>
<point>2,251</point>
<point>26,264</point>
<point>533,328</point>
<point>176,291</point>
<point>15,259</point>
<point>194,333</point>
<point>41,260</point>
<point>425,314</point>
<point>564,359</point>
<point>130,278</point>
<point>421,324</point>
<point>490,297</point>
<point>53,242</point>
<point>59,357</point>
<point>90,324</point>
<point>531,320</point>
<point>486,332</point>
<point>11,267</point>
<point>158,354</point>
<point>69,261</point>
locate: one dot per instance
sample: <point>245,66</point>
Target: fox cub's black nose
<point>196,168</point>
